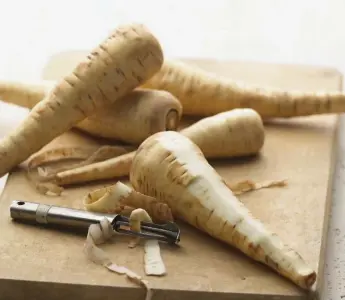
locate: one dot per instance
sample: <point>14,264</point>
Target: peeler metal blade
<point>46,214</point>
<point>168,232</point>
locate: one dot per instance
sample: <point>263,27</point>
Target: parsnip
<point>130,119</point>
<point>204,93</point>
<point>25,93</point>
<point>238,132</point>
<point>128,57</point>
<point>170,167</point>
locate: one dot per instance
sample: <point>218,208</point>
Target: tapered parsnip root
<point>170,167</point>
<point>204,93</point>
<point>130,119</point>
<point>114,198</point>
<point>239,132</point>
<point>127,58</point>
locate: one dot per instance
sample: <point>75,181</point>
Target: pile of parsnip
<point>126,91</point>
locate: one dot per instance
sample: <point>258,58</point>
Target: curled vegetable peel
<point>88,155</point>
<point>100,154</point>
<point>154,264</point>
<point>249,185</point>
<point>99,234</point>
<point>115,198</point>
<point>107,200</point>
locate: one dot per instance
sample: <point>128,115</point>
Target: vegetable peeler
<point>45,214</point>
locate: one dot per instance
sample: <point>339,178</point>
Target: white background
<point>295,31</point>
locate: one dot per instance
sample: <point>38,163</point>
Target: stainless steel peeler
<point>45,214</point>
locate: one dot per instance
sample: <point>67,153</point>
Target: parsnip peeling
<point>111,199</point>
<point>154,264</point>
<point>102,153</point>
<point>249,185</point>
<point>44,188</point>
<point>137,216</point>
<point>114,199</point>
<point>88,154</point>
<point>99,234</point>
<point>60,153</point>
<point>172,167</point>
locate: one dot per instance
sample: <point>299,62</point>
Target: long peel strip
<point>99,234</point>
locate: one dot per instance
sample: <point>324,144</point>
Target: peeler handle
<point>55,215</point>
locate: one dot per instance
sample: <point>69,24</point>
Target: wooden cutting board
<point>40,263</point>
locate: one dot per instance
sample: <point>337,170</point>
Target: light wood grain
<point>50,264</point>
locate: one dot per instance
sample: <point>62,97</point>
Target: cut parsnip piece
<point>172,168</point>
<point>114,199</point>
<point>249,185</point>
<point>99,234</point>
<point>154,264</point>
<point>235,133</point>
